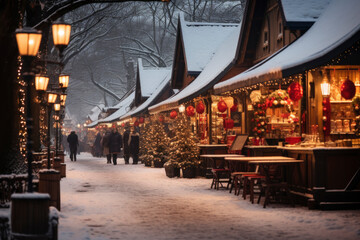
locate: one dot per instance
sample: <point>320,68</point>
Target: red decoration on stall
<point>136,123</point>
<point>173,114</point>
<point>190,111</point>
<point>234,107</point>
<point>200,107</point>
<point>222,107</point>
<point>123,124</point>
<point>348,89</point>
<point>141,120</point>
<point>228,123</point>
<point>161,118</point>
<point>295,91</point>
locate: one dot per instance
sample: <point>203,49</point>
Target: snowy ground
<point>102,201</point>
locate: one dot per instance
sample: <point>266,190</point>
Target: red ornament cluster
<point>136,123</point>
<point>200,107</point>
<point>173,114</point>
<point>161,118</point>
<point>222,107</point>
<point>348,89</point>
<point>295,91</point>
<point>190,111</point>
<point>141,120</point>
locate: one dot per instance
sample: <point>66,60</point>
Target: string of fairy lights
<point>21,95</point>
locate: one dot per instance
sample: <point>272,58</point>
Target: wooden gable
<point>180,75</point>
<point>139,99</point>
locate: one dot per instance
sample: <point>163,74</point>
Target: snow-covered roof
<point>165,82</point>
<point>223,58</point>
<point>119,104</point>
<point>303,10</point>
<point>150,78</point>
<point>338,24</point>
<point>93,124</point>
<point>125,107</point>
<point>201,40</point>
<point>95,111</point>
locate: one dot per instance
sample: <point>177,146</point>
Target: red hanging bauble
<point>228,123</point>
<point>141,120</point>
<point>222,107</point>
<point>123,124</point>
<point>295,91</point>
<point>190,111</point>
<point>161,118</point>
<point>136,123</point>
<point>348,89</point>
<point>173,114</point>
<point>234,107</point>
<point>200,107</point>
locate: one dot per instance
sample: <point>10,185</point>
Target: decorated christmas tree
<point>183,147</point>
<point>144,143</point>
<point>158,146</point>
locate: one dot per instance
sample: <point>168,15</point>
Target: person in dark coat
<point>126,145</point>
<point>73,141</point>
<point>134,146</point>
<point>97,145</point>
<point>115,144</point>
<point>105,143</point>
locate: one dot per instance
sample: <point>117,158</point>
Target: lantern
<point>61,35</point>
<point>190,111</point>
<point>141,120</point>
<point>28,41</point>
<point>63,81</point>
<point>51,98</point>
<point>200,107</point>
<point>161,118</point>
<point>295,91</point>
<point>325,87</point>
<point>228,123</point>
<point>41,82</point>
<point>136,123</point>
<point>173,114</point>
<point>182,108</point>
<point>57,108</point>
<point>222,107</point>
<point>348,89</point>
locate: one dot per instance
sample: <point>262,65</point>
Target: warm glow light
<point>28,41</point>
<point>41,82</point>
<point>61,34</point>
<point>325,87</point>
<point>52,98</point>
<point>182,108</point>
<point>64,81</point>
<point>57,107</point>
<point>62,99</point>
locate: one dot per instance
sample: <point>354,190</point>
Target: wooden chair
<point>220,176</point>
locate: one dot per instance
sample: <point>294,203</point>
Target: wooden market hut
<point>328,52</point>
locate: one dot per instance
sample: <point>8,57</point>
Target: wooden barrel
<point>63,170</point>
<point>49,182</point>
<point>29,214</point>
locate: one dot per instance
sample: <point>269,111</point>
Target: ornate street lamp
<point>325,87</point>
<point>61,35</point>
<point>41,83</point>
<point>325,91</point>
<point>28,42</point>
<point>63,82</point>
<point>57,108</point>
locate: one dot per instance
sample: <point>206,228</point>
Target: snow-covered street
<point>102,201</point>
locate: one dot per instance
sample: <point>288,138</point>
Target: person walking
<point>126,145</point>
<point>97,145</point>
<point>134,146</point>
<point>73,141</point>
<point>105,143</point>
<point>115,144</point>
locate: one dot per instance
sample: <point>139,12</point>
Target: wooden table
<point>221,157</point>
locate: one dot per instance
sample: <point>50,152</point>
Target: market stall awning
<point>125,107</point>
<point>222,60</point>
<point>93,124</point>
<point>164,85</point>
<point>337,29</point>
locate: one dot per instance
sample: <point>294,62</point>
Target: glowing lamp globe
<point>64,81</point>
<point>61,34</point>
<point>28,41</point>
<point>57,107</point>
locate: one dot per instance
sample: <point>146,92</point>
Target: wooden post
<point>29,215</point>
<point>63,170</point>
<point>57,164</point>
<point>49,182</point>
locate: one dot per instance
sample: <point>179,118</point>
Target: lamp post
<point>28,42</point>
<point>50,101</point>
<point>57,108</point>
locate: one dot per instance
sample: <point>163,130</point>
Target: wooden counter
<point>266,150</point>
<point>213,148</point>
<point>329,176</point>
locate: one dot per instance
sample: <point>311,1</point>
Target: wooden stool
<point>220,176</point>
<point>235,181</point>
<point>275,190</point>
<point>247,180</point>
